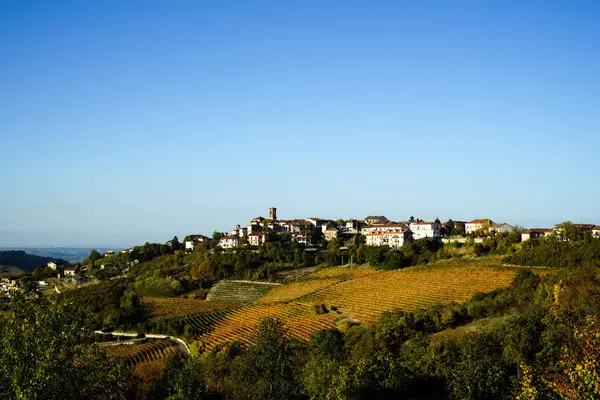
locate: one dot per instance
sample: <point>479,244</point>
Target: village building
<point>477,225</point>
<point>393,238</point>
<point>302,238</point>
<point>596,231</point>
<point>384,226</point>
<point>69,271</point>
<point>330,234</point>
<point>536,233</point>
<point>352,226</point>
<point>109,253</point>
<point>229,241</point>
<point>375,219</point>
<point>317,222</point>
<point>429,230</point>
<point>257,238</point>
<point>193,240</point>
<point>501,228</point>
<point>52,265</point>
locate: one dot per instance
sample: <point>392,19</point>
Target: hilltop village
<point>377,230</point>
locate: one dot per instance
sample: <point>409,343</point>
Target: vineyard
<point>364,298</point>
<point>191,325</point>
<point>299,318</point>
<point>240,291</point>
<point>144,353</point>
<point>368,297</point>
<point>295,290</point>
<point>161,307</point>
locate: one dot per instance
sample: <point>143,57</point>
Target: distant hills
<point>24,261</point>
<point>71,254</point>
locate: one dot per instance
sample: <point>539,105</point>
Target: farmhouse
<point>536,233</point>
<point>52,265</point>
<point>477,225</point>
<point>70,271</point>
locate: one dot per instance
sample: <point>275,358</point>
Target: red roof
<point>538,230</point>
<point>479,221</point>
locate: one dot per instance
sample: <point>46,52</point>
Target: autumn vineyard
<point>326,298</point>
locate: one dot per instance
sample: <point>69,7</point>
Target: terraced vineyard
<point>192,325</point>
<point>238,291</point>
<point>144,353</point>
<point>344,272</point>
<point>413,288</point>
<point>295,290</point>
<point>364,298</point>
<point>241,324</point>
<point>160,307</point>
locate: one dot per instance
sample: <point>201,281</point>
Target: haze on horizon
<point>127,122</point>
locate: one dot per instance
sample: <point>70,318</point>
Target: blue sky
<point>125,122</point>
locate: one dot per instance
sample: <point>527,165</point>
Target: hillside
<point>24,261</point>
<point>330,296</point>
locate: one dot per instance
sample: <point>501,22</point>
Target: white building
<point>429,230</point>
<point>395,239</point>
<point>70,271</point>
<point>596,232</point>
<point>302,238</point>
<point>229,241</point>
<point>193,240</point>
<point>257,238</point>
<point>501,228</point>
<point>477,225</point>
<point>537,233</point>
<point>52,265</point>
<point>383,227</point>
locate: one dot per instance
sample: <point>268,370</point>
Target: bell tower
<point>272,213</point>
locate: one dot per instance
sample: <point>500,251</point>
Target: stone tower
<point>272,213</point>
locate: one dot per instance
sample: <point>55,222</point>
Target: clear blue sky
<point>130,121</point>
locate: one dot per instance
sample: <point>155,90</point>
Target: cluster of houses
<point>540,233</point>
<point>377,229</point>
<point>7,285</point>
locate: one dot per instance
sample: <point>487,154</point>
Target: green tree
<point>43,355</point>
<point>93,257</point>
<point>268,369</point>
<point>175,244</point>
<point>326,356</point>
<point>316,236</point>
<point>567,231</point>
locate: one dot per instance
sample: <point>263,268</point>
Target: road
<point>181,345</point>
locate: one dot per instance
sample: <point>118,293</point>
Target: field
<point>360,294</point>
